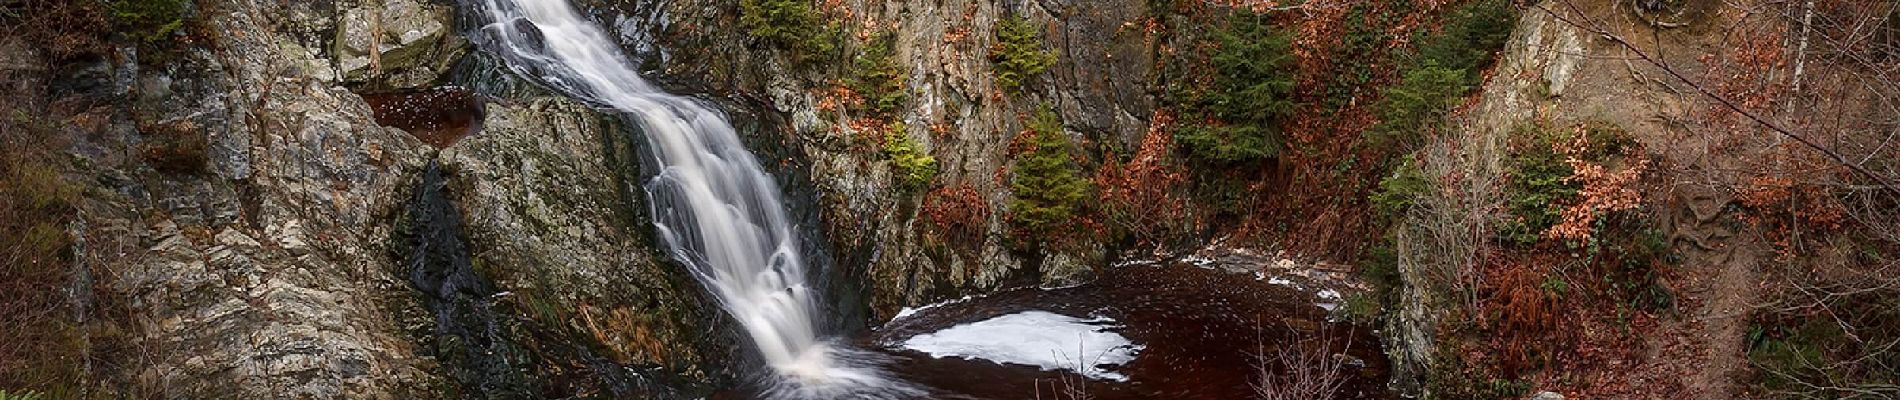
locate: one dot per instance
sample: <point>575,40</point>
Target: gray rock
<point>1547,396</point>
<point>554,213</point>
<point>395,44</point>
<point>265,273</point>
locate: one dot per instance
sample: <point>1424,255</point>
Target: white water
<point>718,211</point>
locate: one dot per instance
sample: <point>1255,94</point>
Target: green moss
<point>914,166</point>
<point>1235,118</point>
<point>878,78</point>
<point>1048,185</point>
<point>793,25</point>
<point>1018,56</point>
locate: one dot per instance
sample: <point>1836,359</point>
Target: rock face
<point>236,222</point>
<point>395,44</point>
<point>555,214</point>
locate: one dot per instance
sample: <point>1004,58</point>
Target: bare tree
<point>1302,368</point>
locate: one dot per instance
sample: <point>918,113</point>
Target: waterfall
<point>718,211</point>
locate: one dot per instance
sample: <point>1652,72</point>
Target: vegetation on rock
<point>793,25</point>
<point>1234,117</point>
<point>41,347</point>
<point>1447,65</point>
<point>149,20</point>
<point>913,165</point>
<point>878,79</point>
<point>1018,56</point>
<point>1047,183</point>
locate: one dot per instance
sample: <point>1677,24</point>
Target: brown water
<point>1202,329</point>
<point>438,116</point>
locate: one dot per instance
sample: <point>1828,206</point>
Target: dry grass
<point>40,345</point>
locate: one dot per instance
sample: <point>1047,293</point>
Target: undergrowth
<point>41,348</point>
<point>877,78</point>
<point>1234,117</point>
<point>1447,65</point>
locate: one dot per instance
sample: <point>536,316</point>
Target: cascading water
<point>719,212</point>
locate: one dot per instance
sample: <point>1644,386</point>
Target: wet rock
<point>395,44</point>
<point>554,210</point>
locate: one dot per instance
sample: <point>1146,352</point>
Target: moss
<point>915,168</point>
<point>1048,185</point>
<point>1235,117</point>
<point>793,25</point>
<point>1018,56</point>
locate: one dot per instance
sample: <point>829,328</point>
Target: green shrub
<point>1446,66</point>
<point>1470,37</point>
<point>915,168</point>
<point>1047,183</point>
<point>1399,191</point>
<point>793,25</point>
<point>149,20</point>
<point>1538,188</point>
<point>1845,352</point>
<point>1418,104</point>
<point>1018,56</point>
<point>878,78</point>
<point>1361,50</point>
<point>1236,119</point>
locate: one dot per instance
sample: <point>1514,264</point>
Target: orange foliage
<point>959,213</point>
<point>1604,191</point>
<point>1142,196</point>
<point>1786,209</point>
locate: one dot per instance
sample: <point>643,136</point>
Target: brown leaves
<point>1141,197</point>
<point>1605,190</point>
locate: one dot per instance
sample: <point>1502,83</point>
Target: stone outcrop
<point>395,44</point>
<point>236,222</point>
<point>555,214</point>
